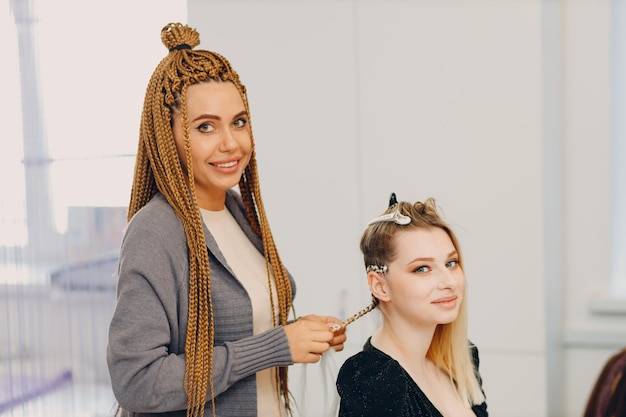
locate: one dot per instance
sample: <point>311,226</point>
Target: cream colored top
<point>248,264</point>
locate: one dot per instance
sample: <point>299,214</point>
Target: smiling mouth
<point>445,300</point>
<point>226,164</point>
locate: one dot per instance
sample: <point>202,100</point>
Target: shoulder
<point>154,250</point>
<point>368,367</point>
<point>155,225</point>
<point>474,353</point>
<point>156,212</point>
<point>372,382</point>
<point>157,217</point>
<point>481,409</point>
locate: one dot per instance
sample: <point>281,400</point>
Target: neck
<point>409,347</point>
<point>407,344</point>
<point>212,202</point>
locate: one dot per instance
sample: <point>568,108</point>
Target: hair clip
<point>394,216</point>
<point>381,269</point>
<point>392,200</point>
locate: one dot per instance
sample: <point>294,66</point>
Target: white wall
<point>351,100</point>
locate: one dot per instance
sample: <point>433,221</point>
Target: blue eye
<point>452,264</point>
<point>205,128</point>
<point>422,269</point>
<point>240,123</point>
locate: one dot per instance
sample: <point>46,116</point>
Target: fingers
<point>316,357</point>
<point>308,338</point>
<point>338,340</point>
<point>321,319</point>
<point>316,318</point>
<point>312,335</point>
<point>339,336</point>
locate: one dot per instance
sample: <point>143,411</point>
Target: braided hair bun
<point>178,36</point>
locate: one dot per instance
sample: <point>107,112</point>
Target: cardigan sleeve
<point>145,353</point>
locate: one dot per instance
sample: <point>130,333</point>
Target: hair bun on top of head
<point>176,36</point>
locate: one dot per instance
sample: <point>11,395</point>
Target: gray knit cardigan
<point>146,346</point>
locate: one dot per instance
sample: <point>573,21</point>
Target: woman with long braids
<point>201,325</point>
<point>419,361</point>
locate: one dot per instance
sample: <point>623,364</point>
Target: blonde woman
<point>201,325</point>
<point>419,361</point>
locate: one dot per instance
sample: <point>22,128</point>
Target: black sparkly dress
<point>373,384</point>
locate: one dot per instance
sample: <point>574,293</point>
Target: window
<point>12,208</point>
<point>66,166</point>
<point>74,76</point>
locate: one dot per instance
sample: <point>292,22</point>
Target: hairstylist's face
<point>425,283</point>
<point>220,140</point>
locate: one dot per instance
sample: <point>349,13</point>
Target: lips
<point>445,300</point>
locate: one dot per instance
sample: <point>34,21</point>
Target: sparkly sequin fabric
<point>372,384</point>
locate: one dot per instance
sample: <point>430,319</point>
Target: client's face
<point>425,281</point>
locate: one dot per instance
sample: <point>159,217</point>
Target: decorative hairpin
<point>381,269</point>
<point>395,216</point>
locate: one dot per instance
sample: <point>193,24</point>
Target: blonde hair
<point>158,169</point>
<point>449,346</point>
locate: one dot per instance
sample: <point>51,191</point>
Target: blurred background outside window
<point>74,75</point>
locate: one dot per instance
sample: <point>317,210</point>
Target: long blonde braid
<point>158,168</point>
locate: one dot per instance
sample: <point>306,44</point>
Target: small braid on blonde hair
<point>356,316</point>
<point>158,169</point>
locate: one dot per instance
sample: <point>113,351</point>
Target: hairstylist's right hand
<point>309,337</point>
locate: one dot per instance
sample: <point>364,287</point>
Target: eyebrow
<point>450,255</point>
<point>215,117</point>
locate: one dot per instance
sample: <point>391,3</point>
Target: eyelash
<point>244,122</point>
<point>455,263</point>
<point>202,127</point>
